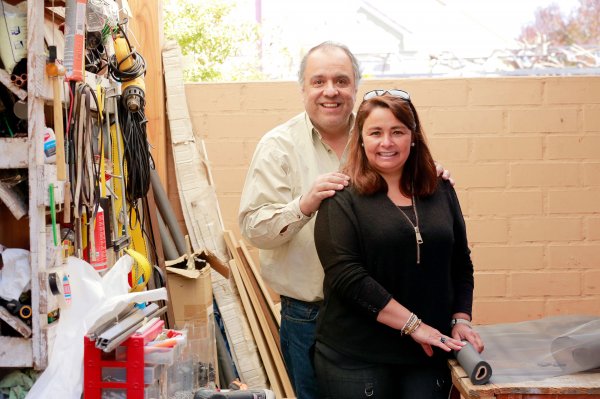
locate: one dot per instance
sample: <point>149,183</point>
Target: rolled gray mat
<point>478,370</point>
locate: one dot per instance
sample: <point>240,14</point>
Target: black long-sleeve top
<point>368,252</point>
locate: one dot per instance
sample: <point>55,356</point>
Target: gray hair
<point>330,45</point>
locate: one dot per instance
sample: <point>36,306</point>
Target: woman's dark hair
<point>419,173</point>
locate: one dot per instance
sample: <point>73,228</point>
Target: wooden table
<point>575,386</point>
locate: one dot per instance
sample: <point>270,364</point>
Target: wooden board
<point>273,346</point>
<point>252,286</point>
<point>264,351</point>
<point>146,37</point>
<point>574,386</point>
<point>239,335</point>
<point>197,194</point>
<point>15,322</point>
<point>16,352</point>
<point>13,152</point>
<point>263,286</point>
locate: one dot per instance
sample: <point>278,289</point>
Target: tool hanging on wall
<point>54,71</point>
<point>84,170</point>
<point>128,67</point>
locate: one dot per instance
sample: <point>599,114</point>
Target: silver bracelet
<point>460,321</point>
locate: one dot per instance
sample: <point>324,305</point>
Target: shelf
<point>14,153</point>
<point>16,323</point>
<point>15,352</point>
<point>48,176</point>
<point>46,91</point>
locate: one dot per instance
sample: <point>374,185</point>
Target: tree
<point>580,27</point>
<point>211,40</point>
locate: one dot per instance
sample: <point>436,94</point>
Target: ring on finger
<point>443,340</point>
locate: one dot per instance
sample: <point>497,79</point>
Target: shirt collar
<point>315,133</point>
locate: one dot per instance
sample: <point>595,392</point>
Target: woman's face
<point>386,142</point>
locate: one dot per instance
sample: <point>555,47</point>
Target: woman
<point>398,275</point>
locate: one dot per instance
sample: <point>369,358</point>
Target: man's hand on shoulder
<point>324,186</point>
<point>444,173</point>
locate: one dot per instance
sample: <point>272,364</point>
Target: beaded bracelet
<point>411,325</point>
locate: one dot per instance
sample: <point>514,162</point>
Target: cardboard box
<point>190,286</point>
<point>191,294</point>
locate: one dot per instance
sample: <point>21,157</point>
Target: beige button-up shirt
<point>285,165</point>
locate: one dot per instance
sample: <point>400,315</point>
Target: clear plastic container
<point>119,374</point>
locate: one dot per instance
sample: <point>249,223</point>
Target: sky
<point>463,28</point>
<point>436,23</point>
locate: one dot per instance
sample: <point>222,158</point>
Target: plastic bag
<point>93,297</point>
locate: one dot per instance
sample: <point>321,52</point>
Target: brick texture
<point>545,174</point>
<point>580,255</point>
<point>591,118</point>
<point>544,120</point>
<point>508,257</point>
<point>513,148</point>
<point>525,154</point>
<point>545,284</point>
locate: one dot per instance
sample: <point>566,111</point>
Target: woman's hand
<point>464,332</point>
<point>428,337</point>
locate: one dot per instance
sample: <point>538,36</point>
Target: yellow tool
<point>130,63</point>
<point>141,271</point>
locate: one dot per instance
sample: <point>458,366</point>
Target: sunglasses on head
<point>380,92</point>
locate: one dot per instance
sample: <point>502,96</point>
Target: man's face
<point>329,90</point>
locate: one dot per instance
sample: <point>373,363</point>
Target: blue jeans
<point>297,335</point>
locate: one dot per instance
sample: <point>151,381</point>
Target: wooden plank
<point>15,323</point>
<point>13,152</point>
<point>36,61</point>
<point>146,35</point>
<point>584,385</point>
<point>262,302</point>
<point>197,194</point>
<point>239,335</point>
<point>265,354</point>
<point>14,233</point>
<point>15,352</point>
<point>261,283</point>
<point>272,345</point>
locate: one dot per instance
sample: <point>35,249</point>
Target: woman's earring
<point>412,144</point>
<point>362,144</point>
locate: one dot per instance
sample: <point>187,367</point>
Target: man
<point>293,170</point>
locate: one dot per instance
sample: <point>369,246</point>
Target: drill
<point>234,394</point>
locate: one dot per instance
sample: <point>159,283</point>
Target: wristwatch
<point>460,321</point>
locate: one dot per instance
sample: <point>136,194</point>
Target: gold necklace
<point>418,236</point>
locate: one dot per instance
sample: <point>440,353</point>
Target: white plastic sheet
<point>16,274</point>
<point>93,297</point>
<point>538,349</point>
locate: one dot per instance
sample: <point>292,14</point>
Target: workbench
<point>584,385</point>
